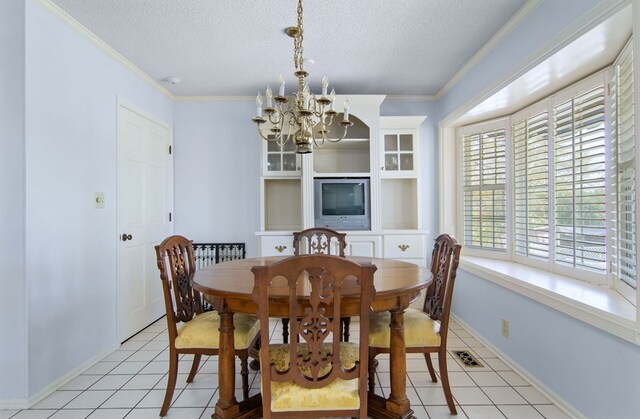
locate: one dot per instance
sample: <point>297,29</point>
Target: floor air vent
<point>468,359</point>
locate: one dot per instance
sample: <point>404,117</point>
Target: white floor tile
<point>100,368</point>
<point>422,379</point>
<point>513,378</point>
<point>550,411</point>
<point>155,398</point>
<point>57,399</point>
<point>520,412</point>
<point>432,396</point>
<point>71,414</point>
<point>194,398</point>
<point>81,382</point>
<point>532,395</point>
<point>124,398</point>
<point>6,414</point>
<point>34,414</point>
<point>111,382</point>
<point>108,414</point>
<point>118,356</point>
<point>470,396</point>
<point>460,379</point>
<point>496,364</point>
<point>202,380</point>
<point>442,412</point>
<point>144,356</point>
<point>487,378</point>
<point>152,413</point>
<point>90,399</point>
<point>419,412</point>
<point>143,382</point>
<point>503,395</point>
<point>129,367</point>
<point>483,412</point>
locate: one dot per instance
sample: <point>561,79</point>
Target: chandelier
<point>304,116</point>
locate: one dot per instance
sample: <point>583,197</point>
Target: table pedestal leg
<point>397,405</point>
<point>227,406</point>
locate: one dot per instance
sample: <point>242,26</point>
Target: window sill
<point>597,306</point>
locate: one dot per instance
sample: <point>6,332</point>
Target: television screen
<point>343,198</point>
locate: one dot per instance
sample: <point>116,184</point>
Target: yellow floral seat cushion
<point>340,394</point>
<point>202,331</point>
<point>419,330</point>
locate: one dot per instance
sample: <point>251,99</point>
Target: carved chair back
<point>318,241</point>
<point>182,302</point>
<point>315,321</point>
<point>444,266</point>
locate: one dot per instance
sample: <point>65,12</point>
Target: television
<point>342,204</point>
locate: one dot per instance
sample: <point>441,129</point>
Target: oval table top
<point>233,281</point>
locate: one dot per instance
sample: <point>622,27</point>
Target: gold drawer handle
<point>280,248</point>
<point>403,247</point>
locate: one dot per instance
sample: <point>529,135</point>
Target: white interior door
<point>144,202</point>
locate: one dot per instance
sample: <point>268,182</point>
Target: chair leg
<point>285,330</point>
<point>194,368</point>
<point>244,371</point>
<point>432,372</point>
<point>171,383</point>
<point>372,373</point>
<point>346,323</point>
<point>444,375</point>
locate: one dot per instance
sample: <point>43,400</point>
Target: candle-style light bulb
<point>281,90</point>
<point>259,105</point>
<point>332,97</point>
<point>269,95</point>
<point>306,93</point>
<point>325,85</point>
<point>347,104</point>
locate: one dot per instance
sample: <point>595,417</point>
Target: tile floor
<point>131,383</point>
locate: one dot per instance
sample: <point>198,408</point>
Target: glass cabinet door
<point>398,153</point>
<point>281,161</point>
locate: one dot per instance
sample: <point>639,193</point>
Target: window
<point>484,189</point>
<point>570,206</point>
<point>579,181</point>
<point>623,258</point>
<point>531,186</point>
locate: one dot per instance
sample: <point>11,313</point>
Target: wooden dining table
<point>229,286</point>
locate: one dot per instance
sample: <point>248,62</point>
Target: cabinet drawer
<point>403,246</point>
<point>276,245</point>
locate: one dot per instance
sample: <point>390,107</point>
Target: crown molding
<point>427,98</point>
<point>213,98</point>
<point>81,30</point>
<point>490,45</point>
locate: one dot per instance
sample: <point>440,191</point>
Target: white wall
<point>13,328</point>
<point>217,173</point>
<point>71,91</point>
<point>597,373</point>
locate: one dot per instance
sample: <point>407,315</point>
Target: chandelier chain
<point>297,41</point>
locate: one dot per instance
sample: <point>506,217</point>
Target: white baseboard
<point>42,394</point>
<point>561,403</point>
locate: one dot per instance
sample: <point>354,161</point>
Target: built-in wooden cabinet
<point>384,150</point>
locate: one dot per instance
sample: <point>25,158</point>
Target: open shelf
<point>282,204</point>
<point>399,204</point>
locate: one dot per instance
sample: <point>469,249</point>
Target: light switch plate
<point>98,199</point>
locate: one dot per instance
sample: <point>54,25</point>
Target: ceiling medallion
<point>304,116</point>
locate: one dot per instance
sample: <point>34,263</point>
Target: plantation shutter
<point>484,190</point>
<point>531,184</point>
<point>580,200</point>
<point>624,263</point>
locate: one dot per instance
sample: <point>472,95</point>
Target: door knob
<point>126,237</point>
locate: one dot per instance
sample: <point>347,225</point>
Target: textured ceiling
<point>408,47</point>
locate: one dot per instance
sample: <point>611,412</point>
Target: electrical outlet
<point>505,328</point>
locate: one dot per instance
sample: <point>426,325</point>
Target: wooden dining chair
<point>192,331</point>
<point>425,330</point>
<point>315,375</point>
<point>324,241</point>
